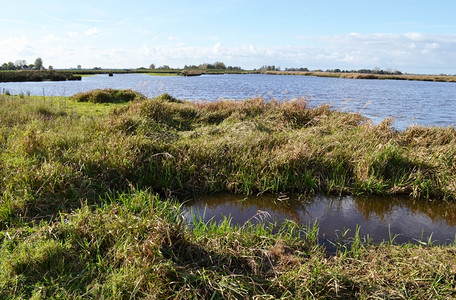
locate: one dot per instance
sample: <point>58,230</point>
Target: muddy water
<point>380,218</point>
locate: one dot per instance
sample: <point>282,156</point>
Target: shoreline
<point>351,75</point>
<point>8,76</point>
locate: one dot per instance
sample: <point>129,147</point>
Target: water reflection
<point>382,218</point>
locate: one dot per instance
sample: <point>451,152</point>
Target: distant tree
<point>38,63</point>
<point>20,63</point>
<point>79,67</point>
<point>10,66</point>
<point>51,68</point>
<point>297,69</point>
<point>268,68</point>
<point>205,66</point>
<point>219,65</point>
<point>152,66</point>
<point>234,68</point>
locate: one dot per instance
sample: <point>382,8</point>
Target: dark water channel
<point>380,218</point>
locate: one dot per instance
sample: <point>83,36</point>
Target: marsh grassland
<point>356,75</point>
<point>88,210</point>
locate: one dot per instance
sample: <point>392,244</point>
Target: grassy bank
<point>86,208</point>
<point>21,76</point>
<point>227,146</point>
<point>414,77</point>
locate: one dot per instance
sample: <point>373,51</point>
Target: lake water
<point>382,218</point>
<point>409,102</point>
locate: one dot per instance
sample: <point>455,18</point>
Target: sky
<point>410,36</point>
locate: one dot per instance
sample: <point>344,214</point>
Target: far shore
<point>11,75</point>
<point>353,75</point>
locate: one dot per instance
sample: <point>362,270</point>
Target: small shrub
<point>167,97</point>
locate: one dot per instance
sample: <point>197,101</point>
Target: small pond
<point>380,218</point>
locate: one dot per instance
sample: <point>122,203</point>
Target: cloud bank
<point>408,52</point>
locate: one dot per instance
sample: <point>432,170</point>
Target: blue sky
<point>410,36</point>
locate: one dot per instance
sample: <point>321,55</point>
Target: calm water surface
<point>409,102</point>
<point>379,217</point>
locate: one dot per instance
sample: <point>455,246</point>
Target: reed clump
<point>108,96</point>
<point>255,146</point>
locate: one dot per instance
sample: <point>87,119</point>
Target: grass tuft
<point>108,96</point>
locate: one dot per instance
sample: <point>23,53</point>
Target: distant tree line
<point>367,71</point>
<point>297,69</point>
<point>21,64</point>
<point>269,68</point>
<point>205,66</point>
<point>215,66</point>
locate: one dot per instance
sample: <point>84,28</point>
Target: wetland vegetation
<point>88,199</point>
<point>364,75</point>
<point>42,75</point>
<point>20,72</point>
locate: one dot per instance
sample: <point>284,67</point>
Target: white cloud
<point>50,38</point>
<point>414,36</point>
<point>73,34</point>
<point>431,46</point>
<point>13,48</point>
<point>352,51</point>
<point>410,52</point>
<point>92,31</point>
<point>217,47</point>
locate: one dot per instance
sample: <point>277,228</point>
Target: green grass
<point>108,96</point>
<point>54,147</point>
<point>86,208</point>
<point>413,77</point>
<point>36,75</point>
<point>162,74</point>
<point>84,75</point>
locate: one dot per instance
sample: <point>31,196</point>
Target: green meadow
<point>89,189</point>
